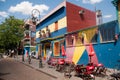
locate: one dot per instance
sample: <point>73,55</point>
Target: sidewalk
<point>51,71</point>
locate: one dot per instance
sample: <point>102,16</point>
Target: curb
<point>39,70</point>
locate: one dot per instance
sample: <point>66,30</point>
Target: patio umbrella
<point>63,51</point>
<point>91,52</point>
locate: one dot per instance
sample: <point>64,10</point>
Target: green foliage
<point>11,32</point>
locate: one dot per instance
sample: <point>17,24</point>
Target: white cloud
<point>3,14</point>
<point>2,0</point>
<point>92,1</point>
<point>107,16</point>
<point>26,7</point>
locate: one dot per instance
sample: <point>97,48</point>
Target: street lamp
<point>35,18</point>
<point>35,15</point>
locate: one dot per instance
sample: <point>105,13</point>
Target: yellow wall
<point>37,34</point>
<point>79,50</point>
<point>62,23</point>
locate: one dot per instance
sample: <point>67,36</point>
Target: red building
<point>79,17</point>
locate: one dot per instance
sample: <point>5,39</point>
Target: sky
<point>22,9</point>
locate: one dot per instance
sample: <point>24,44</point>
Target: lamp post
<point>35,15</point>
<point>40,61</point>
<point>35,18</point>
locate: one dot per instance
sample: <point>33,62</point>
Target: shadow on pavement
<point>2,74</point>
<point>2,79</point>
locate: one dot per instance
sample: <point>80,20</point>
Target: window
<point>91,35</point>
<point>79,39</point>
<point>107,33</point>
<point>56,25</point>
<point>94,38</point>
<point>70,41</point>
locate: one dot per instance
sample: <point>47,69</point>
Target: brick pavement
<point>52,72</point>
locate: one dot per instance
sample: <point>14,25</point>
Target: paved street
<point>13,70</point>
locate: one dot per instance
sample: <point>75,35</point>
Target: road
<point>14,70</point>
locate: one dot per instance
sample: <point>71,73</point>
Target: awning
<point>46,40</point>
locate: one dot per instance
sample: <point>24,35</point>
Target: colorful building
<point>29,37</point>
<point>102,38</point>
<point>75,28</point>
<point>51,29</point>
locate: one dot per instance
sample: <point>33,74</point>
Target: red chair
<point>100,69</point>
<point>61,61</point>
<point>60,65</point>
<point>85,72</point>
<point>52,62</point>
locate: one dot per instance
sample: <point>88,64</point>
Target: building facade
<point>104,41</point>
<point>75,28</point>
<point>51,29</point>
<point>29,37</point>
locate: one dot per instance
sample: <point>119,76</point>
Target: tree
<point>11,33</point>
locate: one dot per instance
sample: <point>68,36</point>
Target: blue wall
<point>108,53</point>
<point>53,18</point>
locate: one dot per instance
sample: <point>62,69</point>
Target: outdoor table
<point>79,69</point>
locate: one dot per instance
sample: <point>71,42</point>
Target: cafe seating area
<point>88,71</point>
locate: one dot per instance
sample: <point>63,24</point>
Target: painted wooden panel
<point>62,23</point>
<point>89,34</point>
<point>78,53</point>
<point>79,50</point>
<point>37,34</point>
<point>52,27</point>
<point>60,13</point>
<point>69,53</point>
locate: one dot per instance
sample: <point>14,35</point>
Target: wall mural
<point>82,41</point>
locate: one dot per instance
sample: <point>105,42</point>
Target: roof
<point>111,22</point>
<point>63,4</point>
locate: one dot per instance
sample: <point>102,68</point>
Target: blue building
<point>51,29</point>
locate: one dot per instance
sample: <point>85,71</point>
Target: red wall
<point>75,21</point>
